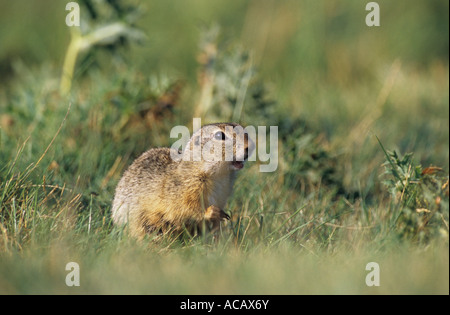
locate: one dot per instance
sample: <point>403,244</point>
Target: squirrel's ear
<point>197,140</point>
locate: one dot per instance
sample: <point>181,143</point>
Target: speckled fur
<point>160,194</point>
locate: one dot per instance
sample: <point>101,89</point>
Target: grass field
<point>344,96</point>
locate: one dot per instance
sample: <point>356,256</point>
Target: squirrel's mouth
<point>237,165</point>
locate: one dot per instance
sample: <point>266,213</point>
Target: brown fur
<point>158,194</point>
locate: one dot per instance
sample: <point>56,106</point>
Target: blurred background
<point>313,68</point>
<point>290,39</point>
<point>313,61</point>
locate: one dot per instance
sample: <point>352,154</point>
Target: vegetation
<point>350,103</point>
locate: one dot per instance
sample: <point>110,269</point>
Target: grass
<point>330,84</point>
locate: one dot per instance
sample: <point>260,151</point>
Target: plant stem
<point>69,61</point>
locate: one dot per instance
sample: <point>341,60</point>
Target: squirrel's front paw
<point>215,214</point>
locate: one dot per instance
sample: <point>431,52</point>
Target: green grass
<point>337,201</point>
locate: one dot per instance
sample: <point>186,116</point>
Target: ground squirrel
<point>165,190</point>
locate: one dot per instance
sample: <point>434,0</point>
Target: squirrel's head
<point>220,147</point>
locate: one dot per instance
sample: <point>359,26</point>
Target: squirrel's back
<point>142,177</point>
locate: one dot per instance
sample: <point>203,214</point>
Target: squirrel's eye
<point>219,135</point>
